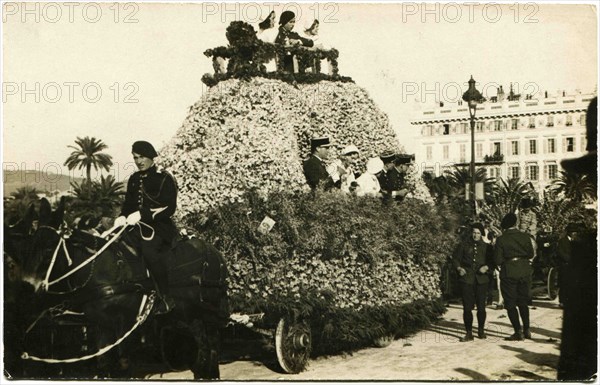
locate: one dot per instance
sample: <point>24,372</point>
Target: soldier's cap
<point>404,158</point>
<point>285,17</point>
<point>588,163</point>
<point>145,149</point>
<point>320,142</point>
<point>508,221</point>
<point>573,227</point>
<point>387,156</point>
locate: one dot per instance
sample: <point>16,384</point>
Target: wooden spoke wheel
<point>293,345</point>
<point>552,283</point>
<point>383,341</point>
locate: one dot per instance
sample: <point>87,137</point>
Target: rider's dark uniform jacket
<point>154,194</point>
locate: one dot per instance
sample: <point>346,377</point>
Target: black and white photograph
<point>299,191</point>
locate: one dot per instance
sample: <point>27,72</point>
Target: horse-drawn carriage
<point>78,305</point>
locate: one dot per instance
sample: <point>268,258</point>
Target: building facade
<point>515,137</point>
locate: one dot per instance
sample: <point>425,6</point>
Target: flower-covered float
<point>332,272</point>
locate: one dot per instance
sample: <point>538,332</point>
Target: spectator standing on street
<point>512,254</point>
<point>564,252</point>
<point>579,341</point>
<point>473,262</point>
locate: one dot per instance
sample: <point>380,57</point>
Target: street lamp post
<point>472,97</point>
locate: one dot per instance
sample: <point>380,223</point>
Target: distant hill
<point>42,181</point>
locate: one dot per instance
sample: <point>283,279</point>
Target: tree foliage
<point>87,154</point>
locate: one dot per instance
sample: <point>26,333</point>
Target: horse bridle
<point>62,242</point>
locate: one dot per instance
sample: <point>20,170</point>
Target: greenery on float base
<point>354,268</point>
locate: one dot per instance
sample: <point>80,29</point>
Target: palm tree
<point>576,187</point>
<point>87,154</point>
<point>554,212</point>
<point>507,197</point>
<point>109,192</point>
<point>25,192</point>
<point>461,177</point>
<point>21,199</point>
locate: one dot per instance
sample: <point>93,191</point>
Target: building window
<point>495,172</point>
<point>552,171</point>
<point>445,151</point>
<point>569,144</point>
<point>569,120</point>
<point>533,146</point>
<point>497,150</point>
<point>551,145</point>
<point>429,152</point>
<point>582,119</point>
<point>463,152</point>
<point>497,125</point>
<point>514,145</point>
<point>532,122</point>
<point>514,172</point>
<point>429,130</point>
<point>514,124</point>
<point>446,129</point>
<point>464,128</point>
<point>479,150</point>
<point>532,172</point>
<point>479,127</point>
<point>550,121</point>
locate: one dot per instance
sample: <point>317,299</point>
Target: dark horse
<point>112,292</point>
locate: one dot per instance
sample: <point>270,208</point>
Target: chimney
<point>500,94</point>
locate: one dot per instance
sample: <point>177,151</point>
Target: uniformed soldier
<point>314,167</point>
<point>513,252</point>
<point>473,259</point>
<point>150,201</point>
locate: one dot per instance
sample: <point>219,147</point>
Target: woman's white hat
<point>374,165</point>
<point>350,149</point>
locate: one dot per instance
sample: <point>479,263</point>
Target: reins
<point>144,310</point>
<point>63,242</point>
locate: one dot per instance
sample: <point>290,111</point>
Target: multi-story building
<point>515,137</point>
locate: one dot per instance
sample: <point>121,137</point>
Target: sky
<point>122,72</point>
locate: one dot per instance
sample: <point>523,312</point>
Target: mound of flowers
<point>355,268</point>
<point>254,135</point>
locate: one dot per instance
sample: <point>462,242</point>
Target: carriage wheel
<point>383,341</point>
<point>552,283</point>
<point>293,345</point>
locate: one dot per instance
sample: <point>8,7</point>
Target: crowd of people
<point>385,175</point>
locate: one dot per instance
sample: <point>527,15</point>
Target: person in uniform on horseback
<point>150,201</point>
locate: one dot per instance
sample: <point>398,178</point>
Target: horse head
<point>31,241</point>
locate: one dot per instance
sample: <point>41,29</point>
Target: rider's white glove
<point>120,221</point>
<point>134,218</point>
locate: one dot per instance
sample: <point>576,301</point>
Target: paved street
<point>432,354</point>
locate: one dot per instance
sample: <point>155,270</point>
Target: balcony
<point>495,158</point>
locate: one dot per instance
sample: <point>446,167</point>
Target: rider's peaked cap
<point>144,148</point>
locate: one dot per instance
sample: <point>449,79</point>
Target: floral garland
<point>248,55</point>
